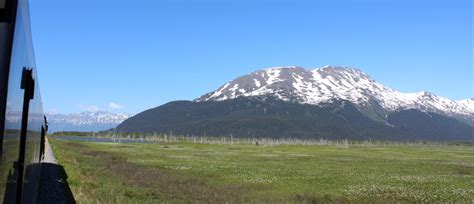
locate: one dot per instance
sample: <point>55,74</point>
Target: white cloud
<point>115,106</point>
<point>91,108</point>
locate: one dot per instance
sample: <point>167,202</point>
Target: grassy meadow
<point>188,172</point>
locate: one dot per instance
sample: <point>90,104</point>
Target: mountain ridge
<point>254,117</point>
<point>329,103</point>
<point>296,84</point>
<point>85,121</point>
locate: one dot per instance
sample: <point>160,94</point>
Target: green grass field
<point>185,172</point>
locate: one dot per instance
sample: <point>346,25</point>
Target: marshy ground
<point>187,172</point>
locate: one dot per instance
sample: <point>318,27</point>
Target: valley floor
<point>184,172</point>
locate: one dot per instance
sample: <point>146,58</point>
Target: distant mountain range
<point>85,121</point>
<point>328,102</point>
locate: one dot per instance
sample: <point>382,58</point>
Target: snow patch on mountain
<point>325,84</point>
<point>85,121</point>
<point>467,103</point>
<point>88,117</point>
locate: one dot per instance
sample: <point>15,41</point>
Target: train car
<point>22,122</point>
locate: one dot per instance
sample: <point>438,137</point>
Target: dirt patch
<point>75,144</point>
<point>462,170</point>
<point>171,184</point>
<point>234,148</point>
<point>94,153</point>
<point>298,198</point>
<point>124,146</point>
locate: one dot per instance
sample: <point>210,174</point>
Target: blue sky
<point>128,57</point>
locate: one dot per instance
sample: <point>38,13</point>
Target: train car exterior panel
<point>20,169</point>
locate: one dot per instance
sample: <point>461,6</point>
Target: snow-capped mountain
<point>329,102</point>
<point>323,85</point>
<point>85,121</point>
